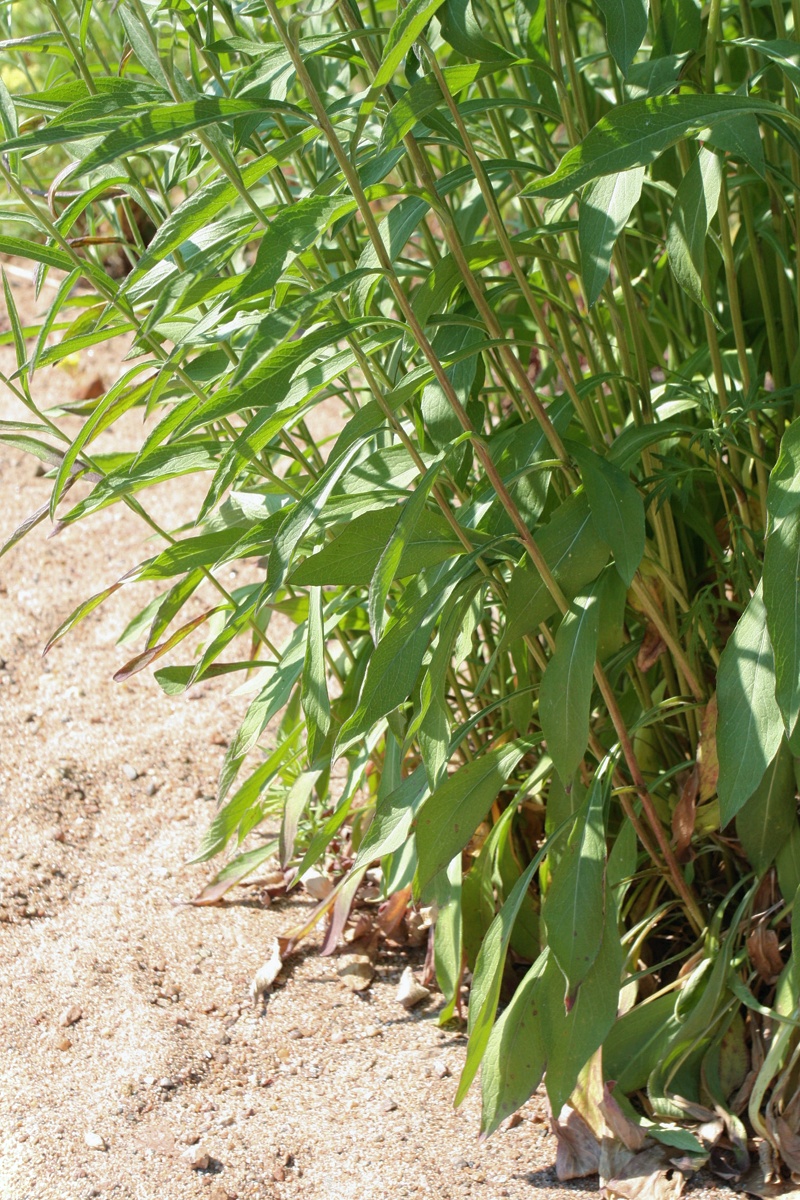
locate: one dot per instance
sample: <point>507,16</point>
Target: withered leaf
<point>684,816</point>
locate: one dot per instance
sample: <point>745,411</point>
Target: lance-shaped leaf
<point>617,509</point>
<point>488,974</point>
<point>606,205</point>
<point>782,602</point>
<point>316,705</point>
<point>566,688</point>
<point>635,134</point>
<point>292,231</point>
<point>450,816</point>
<point>695,205</point>
<point>389,561</point>
<point>303,516</point>
<point>626,25</point>
<point>766,822</point>
<point>516,1052</point>
<point>573,911</point>
<point>750,726</point>
<point>783,494</point>
<point>575,555</point>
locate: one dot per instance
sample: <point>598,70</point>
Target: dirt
<point>133,1063</point>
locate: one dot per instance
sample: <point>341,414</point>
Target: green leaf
<point>750,726</point>
<point>626,25</point>
<point>566,689</point>
<point>421,99</point>
<point>461,29</point>
<point>783,494</point>
<point>781,51</point>
<point>199,209</point>
<point>575,556</point>
<point>765,823</point>
<point>302,516</point>
<point>77,615</point>
<point>488,974</point>
<point>638,1042</point>
<point>447,946</point>
<point>391,556</point>
<point>635,134</point>
<point>605,207</point>
<point>782,602</point>
<point>617,509</point>
<point>402,35</point>
<point>514,1062</point>
<point>395,663</point>
<point>695,207</point>
<point>168,121</point>
<point>294,806</point>
<point>392,821</point>
<point>450,816</point>
<point>575,902</point>
<point>316,705</point>
<point>48,255</point>
<point>227,820</point>
<point>235,871</point>
<point>572,1036</point>
<point>787,864</point>
<point>350,559</point>
<point>292,231</point>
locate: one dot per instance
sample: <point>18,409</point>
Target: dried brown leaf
<point>764,951</point>
<point>356,972</point>
<point>632,1136</point>
<point>651,649</point>
<point>649,1175</point>
<point>578,1153</point>
<point>392,912</point>
<point>684,816</point>
<point>707,759</point>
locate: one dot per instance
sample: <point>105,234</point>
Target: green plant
<point>545,258</point>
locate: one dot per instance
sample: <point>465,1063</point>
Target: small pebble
<point>129,772</point>
<point>70,1016</point>
<point>94,1141</point>
<point>279,1175</point>
<point>441,1069</point>
<point>197,1159</point>
<point>389,1105</point>
<point>64,1043</point>
<point>151,789</point>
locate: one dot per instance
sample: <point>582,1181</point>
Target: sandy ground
<point>325,1094</point>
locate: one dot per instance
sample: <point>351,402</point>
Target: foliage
<point>544,587</point>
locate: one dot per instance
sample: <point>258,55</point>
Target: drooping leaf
<point>606,205</point>
<point>449,817</point>
<point>573,910</point>
<point>750,725</point>
<point>694,208</point>
<point>782,602</point>
<point>574,554</point>
<point>765,823</point>
<point>516,1052</point>
<point>635,134</point>
<point>783,495</point>
<point>316,704</point>
<point>566,688</point>
<point>617,510</point>
<point>626,25</point>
